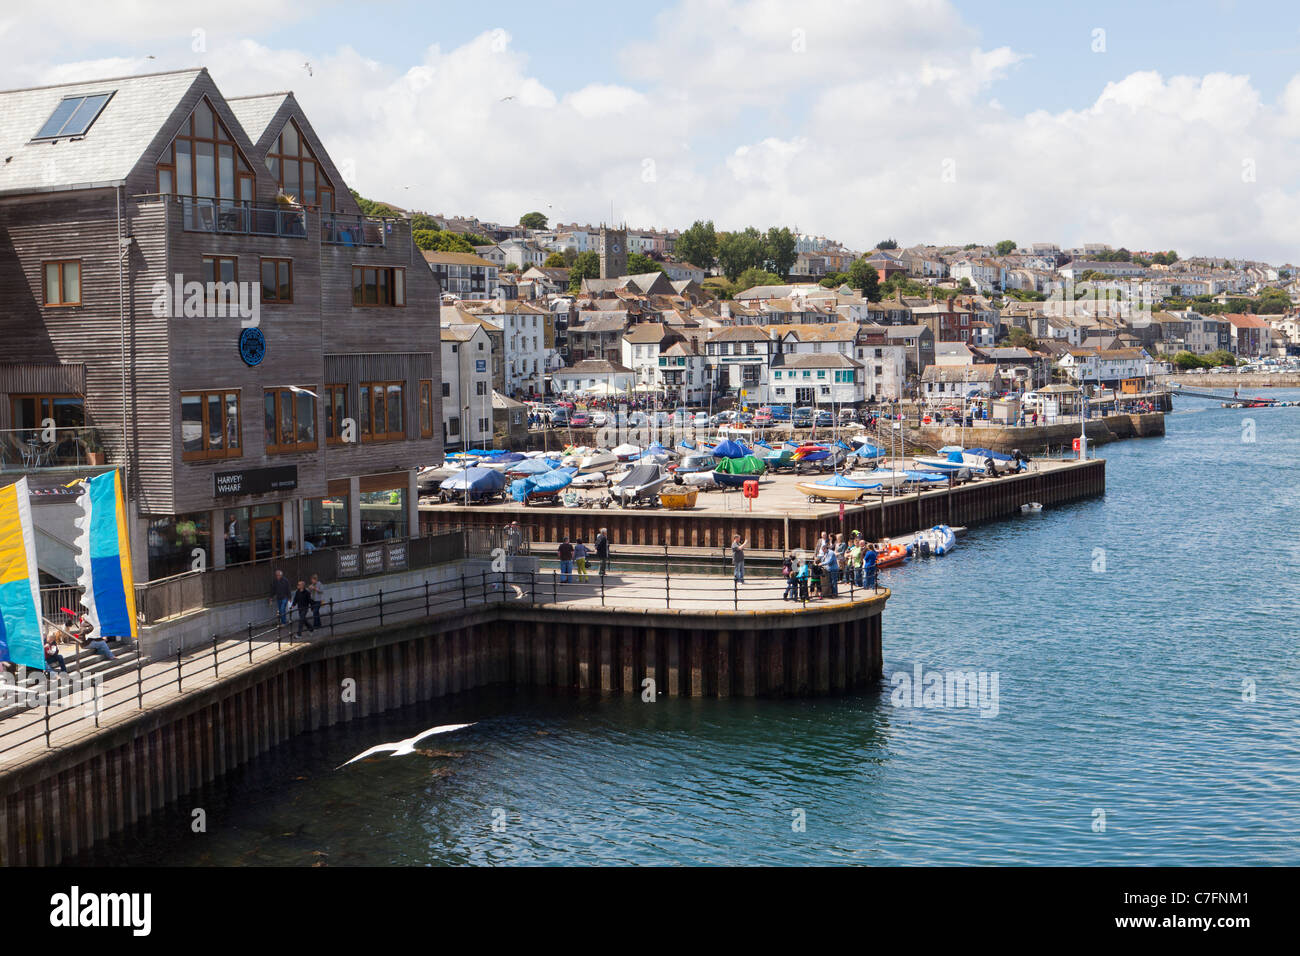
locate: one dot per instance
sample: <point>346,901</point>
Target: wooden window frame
<point>368,434</point>
<point>168,160</point>
<point>332,423</point>
<point>216,271</point>
<point>392,273</point>
<point>262,261</point>
<point>294,447</point>
<point>305,155</point>
<point>42,399</point>
<point>45,285</point>
<point>208,453</point>
<point>426,402</point>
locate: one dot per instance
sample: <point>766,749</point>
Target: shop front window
<point>325,522</point>
<point>236,530</point>
<point>383,515</point>
<point>179,543</point>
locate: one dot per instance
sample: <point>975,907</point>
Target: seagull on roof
<point>407,746</point>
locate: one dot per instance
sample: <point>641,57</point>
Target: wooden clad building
<point>288,398</point>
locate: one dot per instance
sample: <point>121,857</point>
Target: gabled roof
<point>590,366</point>
<point>256,112</point>
<point>645,333</point>
<point>110,149</point>
<point>739,333</point>
<point>825,332</point>
<point>814,360</point>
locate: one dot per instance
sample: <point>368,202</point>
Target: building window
<point>446,389</point>
<point>381,411</point>
<point>277,280</point>
<point>210,425</point>
<point>296,170</point>
<point>63,282</point>
<point>73,116</point>
<point>204,161</point>
<point>336,410</point>
<point>32,411</point>
<point>374,285</point>
<point>480,388</point>
<point>426,408</point>
<point>453,426</point>
<point>290,419</point>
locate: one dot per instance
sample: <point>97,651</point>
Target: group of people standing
<point>835,560</point>
<point>571,553</point>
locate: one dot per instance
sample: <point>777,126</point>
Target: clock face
<point>252,346</point>
<point>616,247</point>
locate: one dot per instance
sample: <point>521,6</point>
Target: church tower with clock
<point>613,252</point>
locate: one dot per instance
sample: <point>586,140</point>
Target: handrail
<point>428,599</point>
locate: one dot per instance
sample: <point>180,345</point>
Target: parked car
<point>824,418</point>
<point>780,413</point>
<point>580,420</point>
<point>803,417</point>
<point>599,419</point>
<point>763,416</point>
<point>701,419</point>
<point>637,419</point>
<point>848,415</point>
<point>559,416</point>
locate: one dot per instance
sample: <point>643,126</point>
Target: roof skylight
<point>73,115</point>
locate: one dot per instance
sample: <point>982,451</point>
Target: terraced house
<point>188,290</point>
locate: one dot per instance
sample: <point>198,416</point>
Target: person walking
<point>602,551</point>
<point>302,604</point>
<point>738,556</point>
<point>317,590</point>
<point>281,593</point>
<point>788,572</point>
<point>565,553</point>
<point>580,552</point>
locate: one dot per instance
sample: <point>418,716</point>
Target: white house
<point>594,376</point>
<point>817,379</point>
<point>941,385</point>
<point>1105,366</point>
<point>987,275</point>
<point>738,358</point>
<point>466,386</point>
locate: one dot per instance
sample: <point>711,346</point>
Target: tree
<point>738,251</point>
<point>439,240</point>
<point>1186,360</point>
<point>779,250</point>
<point>964,285</point>
<point>585,266</point>
<point>698,245</point>
<point>755,276</point>
<point>638,264</point>
<point>887,244</point>
<point>554,261</point>
<point>533,220</point>
<point>1020,338</point>
<point>1006,247</point>
<point>422,220</point>
<point>864,277</point>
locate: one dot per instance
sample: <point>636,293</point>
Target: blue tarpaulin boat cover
<point>730,449</point>
<point>534,466</point>
<point>477,480</point>
<point>552,481</point>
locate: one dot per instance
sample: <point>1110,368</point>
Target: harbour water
<point>1143,648</point>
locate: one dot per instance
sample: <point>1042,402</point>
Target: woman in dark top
<point>302,603</point>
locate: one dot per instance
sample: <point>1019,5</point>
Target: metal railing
<point>194,590</point>
<point>32,449</point>
<point>337,229</point>
<point>60,702</point>
<point>229,217</point>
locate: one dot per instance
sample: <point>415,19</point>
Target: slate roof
<point>255,112</point>
<point>113,145</point>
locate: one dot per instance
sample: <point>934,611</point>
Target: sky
<point>1152,126</point>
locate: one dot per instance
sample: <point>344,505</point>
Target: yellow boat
<point>678,499</point>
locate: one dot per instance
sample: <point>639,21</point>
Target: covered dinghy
<point>478,484</point>
<point>640,484</point>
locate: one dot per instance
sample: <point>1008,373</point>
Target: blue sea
<point>1143,648</point>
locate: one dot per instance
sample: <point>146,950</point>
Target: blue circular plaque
<point>252,346</point>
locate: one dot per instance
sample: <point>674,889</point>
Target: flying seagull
<point>307,66</point>
<point>406,746</point>
<point>504,98</point>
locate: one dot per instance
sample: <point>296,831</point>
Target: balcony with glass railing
<point>232,218</point>
<point>38,449</point>
<point>339,229</point>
